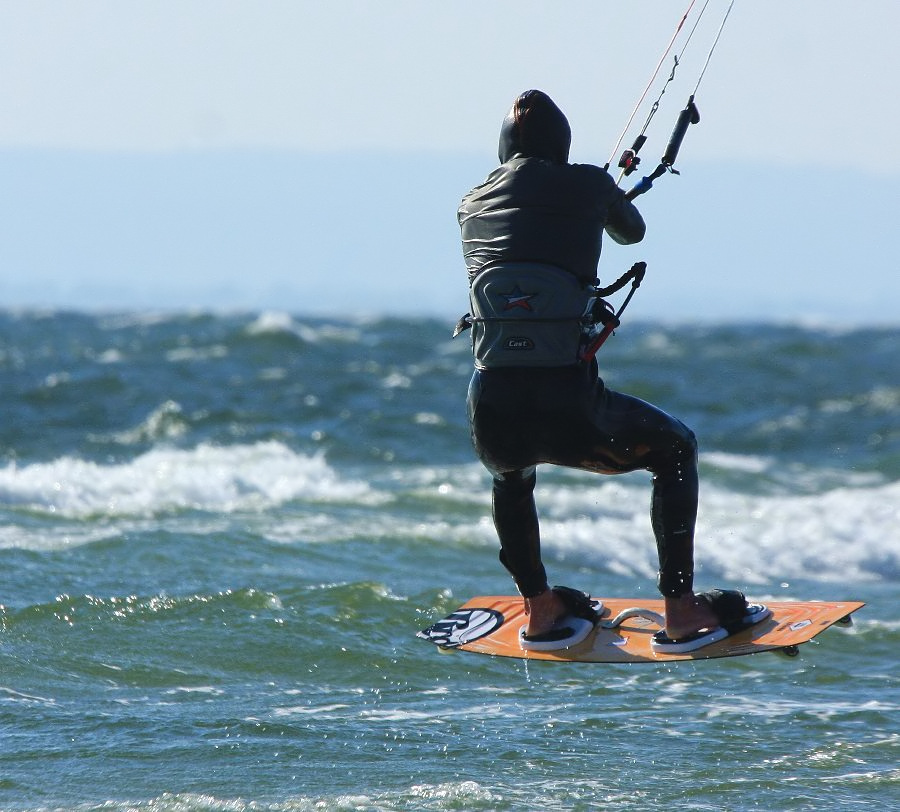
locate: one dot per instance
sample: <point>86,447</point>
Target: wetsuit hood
<point>536,128</point>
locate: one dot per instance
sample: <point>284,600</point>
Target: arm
<point>624,222</point>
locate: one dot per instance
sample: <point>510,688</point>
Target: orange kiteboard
<point>491,625</point>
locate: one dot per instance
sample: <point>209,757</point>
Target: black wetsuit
<point>535,207</point>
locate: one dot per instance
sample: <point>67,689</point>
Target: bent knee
<point>522,479</point>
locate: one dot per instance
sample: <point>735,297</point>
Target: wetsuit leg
<point>516,522</point>
<point>551,418</point>
<point>673,515</point>
<point>628,434</point>
<point>503,442</point>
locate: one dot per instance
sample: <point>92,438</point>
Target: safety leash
<point>602,312</point>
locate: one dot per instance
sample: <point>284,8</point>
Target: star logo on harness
<point>518,299</point>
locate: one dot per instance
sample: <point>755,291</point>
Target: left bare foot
<point>544,612</point>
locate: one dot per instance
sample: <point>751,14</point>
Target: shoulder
<point>581,178</point>
<point>590,173</point>
<point>485,187</point>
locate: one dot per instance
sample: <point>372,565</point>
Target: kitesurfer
<point>533,229</point>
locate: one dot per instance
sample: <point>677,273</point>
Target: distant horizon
<point>376,234</point>
<point>636,322</point>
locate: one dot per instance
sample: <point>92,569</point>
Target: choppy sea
<point>221,532</point>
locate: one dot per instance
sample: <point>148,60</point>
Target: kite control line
<point>602,312</point>
<point>629,160</point>
<point>690,115</point>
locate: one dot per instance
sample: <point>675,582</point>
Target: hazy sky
<point>798,90</point>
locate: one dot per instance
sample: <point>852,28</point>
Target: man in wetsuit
<point>537,211</point>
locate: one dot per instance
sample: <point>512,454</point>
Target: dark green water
<point>221,533</point>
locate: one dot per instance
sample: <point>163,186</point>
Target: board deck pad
<point>491,624</point>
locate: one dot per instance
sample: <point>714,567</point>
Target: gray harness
<point>528,315</point>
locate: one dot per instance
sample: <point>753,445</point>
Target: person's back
<point>537,207</point>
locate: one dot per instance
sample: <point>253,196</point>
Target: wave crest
<point>207,478</point>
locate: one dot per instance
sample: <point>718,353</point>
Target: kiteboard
<point>623,634</point>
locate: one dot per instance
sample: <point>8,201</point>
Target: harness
<point>525,314</point>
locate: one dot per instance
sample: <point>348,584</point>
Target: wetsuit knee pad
<point>519,481</point>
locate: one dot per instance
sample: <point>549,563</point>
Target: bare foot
<point>543,612</point>
<point>688,614</point>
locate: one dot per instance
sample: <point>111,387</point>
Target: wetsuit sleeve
<point>625,223</point>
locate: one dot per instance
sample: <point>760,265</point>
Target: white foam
<point>841,534</point>
<point>165,422</point>
<point>207,478</point>
<point>273,322</point>
<point>849,533</point>
<point>737,462</point>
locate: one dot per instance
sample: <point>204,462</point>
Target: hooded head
<point>536,128</point>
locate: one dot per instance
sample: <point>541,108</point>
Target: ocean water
<point>220,534</point>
